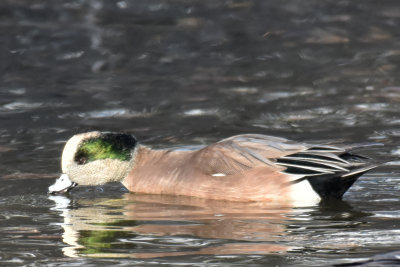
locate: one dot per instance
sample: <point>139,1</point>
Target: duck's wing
<point>330,169</point>
<point>242,152</point>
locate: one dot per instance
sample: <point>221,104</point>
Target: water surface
<point>185,74</point>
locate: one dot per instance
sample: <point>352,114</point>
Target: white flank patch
<point>303,194</point>
<point>219,174</point>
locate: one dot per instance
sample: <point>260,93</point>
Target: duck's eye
<point>81,160</point>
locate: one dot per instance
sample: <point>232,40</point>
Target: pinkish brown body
<point>164,172</point>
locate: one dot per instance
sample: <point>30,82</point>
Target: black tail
<point>330,170</point>
<point>334,186</point>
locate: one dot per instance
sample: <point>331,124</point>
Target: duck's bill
<point>62,185</point>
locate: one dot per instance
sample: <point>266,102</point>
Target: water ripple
<point>114,113</point>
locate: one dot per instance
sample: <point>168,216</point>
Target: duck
<point>246,167</point>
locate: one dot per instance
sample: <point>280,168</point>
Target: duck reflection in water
<point>150,226</point>
<point>147,226</point>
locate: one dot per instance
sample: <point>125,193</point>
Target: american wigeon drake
<point>248,167</point>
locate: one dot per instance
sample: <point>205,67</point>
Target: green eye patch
<point>109,146</point>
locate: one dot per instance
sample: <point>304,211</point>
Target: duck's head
<point>95,158</point>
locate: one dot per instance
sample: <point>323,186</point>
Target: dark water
<point>187,73</point>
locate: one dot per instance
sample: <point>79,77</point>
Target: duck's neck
<point>149,165</point>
